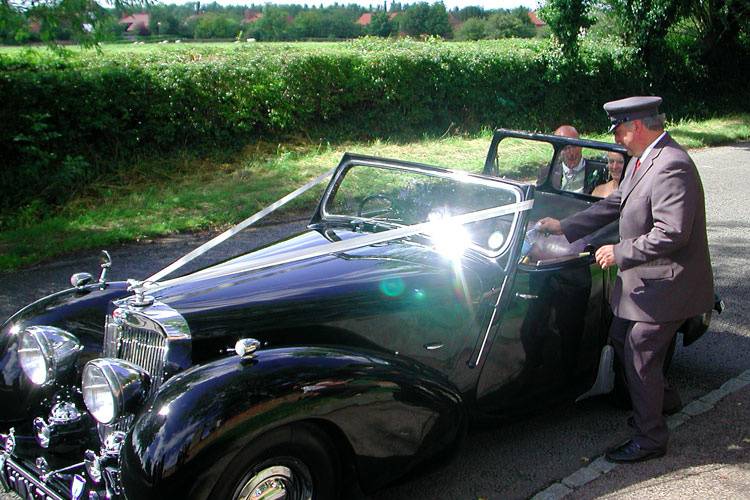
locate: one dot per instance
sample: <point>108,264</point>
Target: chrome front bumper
<point>14,477</point>
<point>38,484</point>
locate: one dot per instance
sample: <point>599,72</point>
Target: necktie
<point>637,164</point>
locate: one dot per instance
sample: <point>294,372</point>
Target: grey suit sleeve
<point>597,215</point>
<point>674,200</point>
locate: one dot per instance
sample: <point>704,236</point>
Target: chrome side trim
<point>489,326</point>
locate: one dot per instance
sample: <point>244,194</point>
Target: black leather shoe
<point>630,452</point>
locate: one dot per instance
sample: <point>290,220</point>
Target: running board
<point>605,377</point>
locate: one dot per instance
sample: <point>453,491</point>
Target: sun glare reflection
<point>392,287</point>
<point>449,238</point>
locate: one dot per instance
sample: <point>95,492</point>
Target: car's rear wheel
<point>293,463</point>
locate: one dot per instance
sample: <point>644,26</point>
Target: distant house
<point>35,26</point>
<point>251,16</point>
<point>454,21</point>
<point>136,24</point>
<point>366,18</point>
<point>538,23</point>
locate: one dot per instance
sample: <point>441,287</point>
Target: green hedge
<point>65,121</point>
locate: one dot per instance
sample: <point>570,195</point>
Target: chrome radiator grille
<point>144,347</point>
<point>156,338</point>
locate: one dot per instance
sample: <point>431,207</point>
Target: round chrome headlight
<point>46,352</point>
<point>113,387</point>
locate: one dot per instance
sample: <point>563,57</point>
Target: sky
<point>449,4</point>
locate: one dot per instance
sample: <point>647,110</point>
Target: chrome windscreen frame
<point>458,176</point>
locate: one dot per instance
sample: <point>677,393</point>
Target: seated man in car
<point>571,172</point>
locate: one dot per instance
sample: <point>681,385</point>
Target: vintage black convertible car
<point>417,300</point>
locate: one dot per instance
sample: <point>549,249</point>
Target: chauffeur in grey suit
<point>664,274</point>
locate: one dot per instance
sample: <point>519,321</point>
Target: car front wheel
<point>293,463</point>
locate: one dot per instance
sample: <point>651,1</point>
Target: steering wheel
<point>377,210</point>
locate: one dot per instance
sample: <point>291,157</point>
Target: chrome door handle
<point>526,296</point>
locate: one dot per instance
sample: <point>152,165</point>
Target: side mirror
<point>80,280</point>
<point>105,262</point>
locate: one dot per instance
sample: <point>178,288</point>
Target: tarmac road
<point>709,454</point>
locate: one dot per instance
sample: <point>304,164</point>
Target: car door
<point>555,320</point>
<point>429,297</point>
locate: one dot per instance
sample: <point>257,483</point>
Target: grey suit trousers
<point>642,348</point>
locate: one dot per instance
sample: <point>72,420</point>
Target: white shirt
<point>572,179</point>
<point>646,151</point>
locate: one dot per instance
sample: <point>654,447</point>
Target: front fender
<point>391,412</point>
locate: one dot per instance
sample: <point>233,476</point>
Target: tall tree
<point>274,25</point>
<point>567,19</point>
<point>469,12</point>
<point>472,29</point>
<point>645,25</point>
<point>437,21</point>
<point>380,25</point>
<point>720,26</point>
<point>216,24</point>
<point>423,19</point>
<point>508,24</point>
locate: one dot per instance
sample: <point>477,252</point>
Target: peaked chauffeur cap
<point>631,108</point>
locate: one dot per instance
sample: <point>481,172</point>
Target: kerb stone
<point>603,465</point>
<point>714,397</point>
<point>581,477</point>
<point>554,492</point>
<point>734,384</point>
<point>696,408</point>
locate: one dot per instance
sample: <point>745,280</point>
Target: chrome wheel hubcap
<point>278,482</point>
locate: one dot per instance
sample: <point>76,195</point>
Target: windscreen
<point>407,197</point>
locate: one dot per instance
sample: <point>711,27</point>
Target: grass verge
<point>211,194</point>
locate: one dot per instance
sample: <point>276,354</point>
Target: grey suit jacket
<point>664,264</point>
<point>592,177</point>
